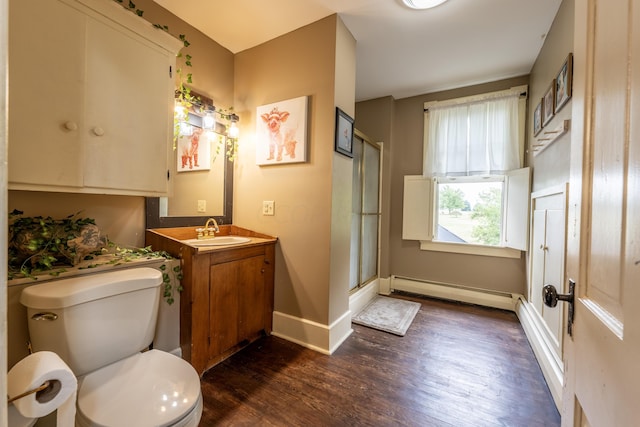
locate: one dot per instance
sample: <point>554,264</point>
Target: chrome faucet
<point>208,232</point>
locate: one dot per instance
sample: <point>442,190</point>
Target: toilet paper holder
<point>46,386</point>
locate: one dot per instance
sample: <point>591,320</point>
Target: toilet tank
<point>94,320</point>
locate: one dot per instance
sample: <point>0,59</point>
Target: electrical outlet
<point>202,205</point>
<point>268,207</point>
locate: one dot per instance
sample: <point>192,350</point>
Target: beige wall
<point>302,62</point>
<point>404,257</point>
<point>551,167</point>
<point>342,176</point>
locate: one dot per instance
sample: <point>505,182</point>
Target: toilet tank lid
<point>77,290</point>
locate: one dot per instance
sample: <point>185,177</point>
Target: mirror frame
<point>154,220</point>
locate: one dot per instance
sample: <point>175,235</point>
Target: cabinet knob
<point>98,131</point>
<point>71,125</point>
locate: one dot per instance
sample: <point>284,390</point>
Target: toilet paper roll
<point>33,371</point>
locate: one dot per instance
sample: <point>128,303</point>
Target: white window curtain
<point>476,138</point>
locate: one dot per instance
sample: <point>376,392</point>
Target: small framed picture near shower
<point>344,133</point>
<point>281,132</point>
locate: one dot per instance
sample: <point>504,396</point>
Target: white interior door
<point>603,246</point>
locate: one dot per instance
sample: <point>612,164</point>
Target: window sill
<point>466,248</point>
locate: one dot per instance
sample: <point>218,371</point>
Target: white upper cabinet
<point>90,98</point>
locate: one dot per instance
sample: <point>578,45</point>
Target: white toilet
<point>99,325</point>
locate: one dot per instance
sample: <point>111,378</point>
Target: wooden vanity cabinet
<point>227,300</point>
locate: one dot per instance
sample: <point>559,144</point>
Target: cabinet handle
<point>71,125</point>
<point>98,131</point>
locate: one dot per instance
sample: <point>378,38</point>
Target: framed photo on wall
<point>548,104</point>
<point>537,119</point>
<point>344,133</point>
<point>281,132</point>
<point>563,83</point>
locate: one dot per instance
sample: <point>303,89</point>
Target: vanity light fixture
<point>185,129</point>
<point>207,111</point>
<point>208,121</point>
<point>233,127</point>
<point>422,4</point>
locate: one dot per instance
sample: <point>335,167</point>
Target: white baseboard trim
<point>313,335</point>
<point>550,364</point>
<point>385,286</point>
<point>495,299</point>
<point>358,300</point>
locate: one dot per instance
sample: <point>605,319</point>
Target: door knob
<point>550,296</point>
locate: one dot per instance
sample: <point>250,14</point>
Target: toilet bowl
<point>101,326</point>
<point>147,389</point>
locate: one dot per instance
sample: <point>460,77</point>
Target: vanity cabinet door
<point>223,307</point>
<point>46,81</point>
<point>237,303</point>
<point>252,300</point>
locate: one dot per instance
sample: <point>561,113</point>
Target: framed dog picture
<point>344,133</point>
<point>281,132</point>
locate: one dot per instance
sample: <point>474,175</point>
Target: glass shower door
<point>365,215</point>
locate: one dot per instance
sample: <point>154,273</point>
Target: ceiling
<point>400,52</point>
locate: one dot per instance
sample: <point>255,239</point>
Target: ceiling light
<point>422,4</point>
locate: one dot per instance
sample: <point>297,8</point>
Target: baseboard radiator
<point>448,291</point>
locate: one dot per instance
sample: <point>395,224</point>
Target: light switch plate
<point>268,207</point>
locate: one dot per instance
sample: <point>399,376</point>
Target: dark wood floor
<point>458,365</point>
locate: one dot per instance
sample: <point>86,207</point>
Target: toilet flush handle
<point>45,316</point>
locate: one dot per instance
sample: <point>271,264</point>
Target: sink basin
<point>217,241</point>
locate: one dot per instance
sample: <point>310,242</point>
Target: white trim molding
<point>313,335</point>
<point>550,364</point>
<point>359,299</point>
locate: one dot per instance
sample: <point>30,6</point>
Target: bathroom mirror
<point>202,174</point>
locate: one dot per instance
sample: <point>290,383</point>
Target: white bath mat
<point>388,314</point>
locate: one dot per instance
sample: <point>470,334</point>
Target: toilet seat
<point>154,388</point>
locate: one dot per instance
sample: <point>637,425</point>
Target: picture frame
<point>281,132</point>
<point>537,118</point>
<point>548,104</point>
<point>344,133</point>
<point>563,83</point>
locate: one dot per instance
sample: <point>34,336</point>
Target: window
<point>469,211</point>
<point>472,197</point>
